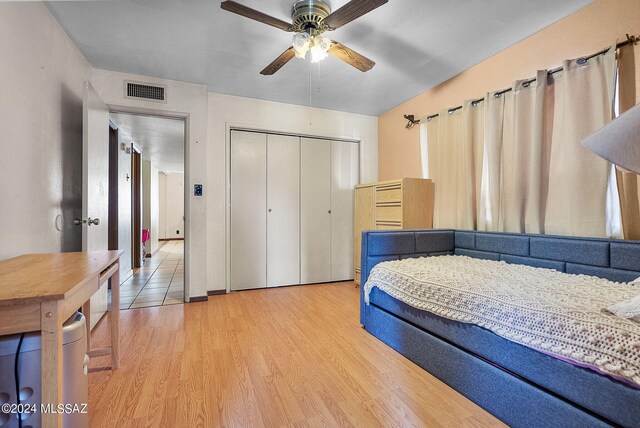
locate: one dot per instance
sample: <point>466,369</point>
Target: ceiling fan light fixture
<point>319,48</point>
<point>317,54</point>
<point>323,42</point>
<point>301,44</point>
<point>318,45</point>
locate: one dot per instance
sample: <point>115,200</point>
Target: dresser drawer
<point>386,195</point>
<point>389,213</point>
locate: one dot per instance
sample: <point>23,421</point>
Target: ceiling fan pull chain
<point>310,85</point>
<point>318,76</point>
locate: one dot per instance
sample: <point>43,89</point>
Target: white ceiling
<point>160,140</point>
<point>416,44</point>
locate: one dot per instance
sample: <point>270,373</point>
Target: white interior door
<point>283,210</point>
<point>345,174</point>
<point>315,210</point>
<point>248,210</point>
<point>95,184</point>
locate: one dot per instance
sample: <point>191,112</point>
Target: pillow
<point>627,308</point>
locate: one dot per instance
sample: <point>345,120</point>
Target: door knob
<point>329,211</point>
<point>269,210</point>
<point>91,221</point>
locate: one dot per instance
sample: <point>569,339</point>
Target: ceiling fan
<point>310,19</point>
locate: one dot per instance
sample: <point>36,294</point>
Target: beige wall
<point>42,74</point>
<point>162,200</point>
<point>171,218</point>
<point>587,31</point>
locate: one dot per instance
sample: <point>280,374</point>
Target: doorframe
<point>303,133</point>
<point>136,207</point>
<point>113,186</point>
<point>186,117</point>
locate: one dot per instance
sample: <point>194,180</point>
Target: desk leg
<point>86,311</point>
<point>51,326</point>
<point>115,318</point>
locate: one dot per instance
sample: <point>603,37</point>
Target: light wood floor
<point>293,356</point>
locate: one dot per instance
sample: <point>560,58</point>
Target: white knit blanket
<point>553,312</point>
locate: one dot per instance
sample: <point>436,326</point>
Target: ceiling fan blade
<point>350,11</point>
<point>247,12</point>
<point>277,64</point>
<point>350,56</point>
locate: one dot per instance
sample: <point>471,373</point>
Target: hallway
<point>160,281</point>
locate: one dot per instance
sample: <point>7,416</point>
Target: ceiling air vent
<point>147,92</point>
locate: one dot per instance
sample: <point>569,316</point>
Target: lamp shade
<point>619,140</point>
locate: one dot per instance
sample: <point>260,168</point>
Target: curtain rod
<point>630,40</point>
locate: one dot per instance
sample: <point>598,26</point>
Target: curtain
<point>524,170</point>
<point>473,149</point>
<point>488,216</point>
<point>515,162</point>
<point>432,136</point>
<point>424,148</point>
<point>446,173</point>
<point>577,199</point>
<point>454,146</point>
<point>628,185</point>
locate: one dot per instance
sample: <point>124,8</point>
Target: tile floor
<point>160,281</point>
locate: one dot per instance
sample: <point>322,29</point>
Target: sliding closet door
<point>345,174</point>
<point>248,210</point>
<point>315,210</point>
<point>283,210</point>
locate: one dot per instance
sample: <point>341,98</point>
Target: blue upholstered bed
<point>519,385</point>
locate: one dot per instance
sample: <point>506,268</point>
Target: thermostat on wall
<point>197,190</point>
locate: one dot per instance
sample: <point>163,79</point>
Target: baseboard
<point>216,292</point>
<point>198,299</point>
<point>171,239</point>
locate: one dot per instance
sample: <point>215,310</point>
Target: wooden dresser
<point>390,205</point>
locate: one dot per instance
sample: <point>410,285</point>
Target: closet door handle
<point>329,211</point>
<point>269,210</point>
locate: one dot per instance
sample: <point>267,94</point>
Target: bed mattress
<point>554,318</point>
<point>560,314</point>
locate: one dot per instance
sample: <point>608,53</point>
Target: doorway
<point>154,175</point>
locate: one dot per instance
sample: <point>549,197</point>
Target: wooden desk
<point>41,291</point>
